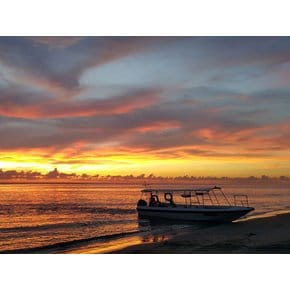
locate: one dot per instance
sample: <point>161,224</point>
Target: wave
<point>67,245</point>
<point>48,208</point>
<point>64,225</point>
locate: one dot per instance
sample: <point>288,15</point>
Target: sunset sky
<point>130,105</point>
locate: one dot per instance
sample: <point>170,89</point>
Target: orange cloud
<point>159,126</point>
<point>268,137</point>
<point>61,108</point>
<point>57,41</point>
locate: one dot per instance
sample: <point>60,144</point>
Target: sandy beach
<point>263,235</point>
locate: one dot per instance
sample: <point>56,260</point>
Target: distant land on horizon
<point>55,176</point>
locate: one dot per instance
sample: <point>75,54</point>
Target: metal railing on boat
<point>241,199</point>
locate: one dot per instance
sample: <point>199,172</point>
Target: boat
<point>208,204</point>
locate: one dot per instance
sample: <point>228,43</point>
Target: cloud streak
<point>30,106</point>
<point>146,101</point>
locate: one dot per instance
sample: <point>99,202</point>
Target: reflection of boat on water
<point>193,204</point>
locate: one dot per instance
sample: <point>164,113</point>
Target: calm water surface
<point>37,215</point>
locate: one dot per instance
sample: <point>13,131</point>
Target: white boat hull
<point>198,214</point>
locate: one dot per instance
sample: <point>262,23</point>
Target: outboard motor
<point>141,202</point>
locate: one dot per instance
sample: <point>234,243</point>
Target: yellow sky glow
<point>124,164</point>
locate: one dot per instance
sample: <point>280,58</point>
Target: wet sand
<point>263,235</point>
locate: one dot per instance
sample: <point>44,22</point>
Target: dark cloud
<point>167,125</point>
<point>42,104</point>
<point>244,50</point>
<point>57,41</point>
<point>61,68</point>
<point>30,105</point>
<point>277,95</point>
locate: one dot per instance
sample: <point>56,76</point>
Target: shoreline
<point>266,233</point>
<point>263,235</point>
<point>94,245</point>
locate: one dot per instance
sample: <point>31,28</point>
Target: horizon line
<point>13,174</point>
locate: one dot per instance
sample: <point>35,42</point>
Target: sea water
<point>33,216</point>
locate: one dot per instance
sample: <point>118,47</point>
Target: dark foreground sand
<point>263,235</point>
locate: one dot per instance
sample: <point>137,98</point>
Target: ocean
<point>59,217</point>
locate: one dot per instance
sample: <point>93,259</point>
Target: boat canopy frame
<point>200,194</point>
